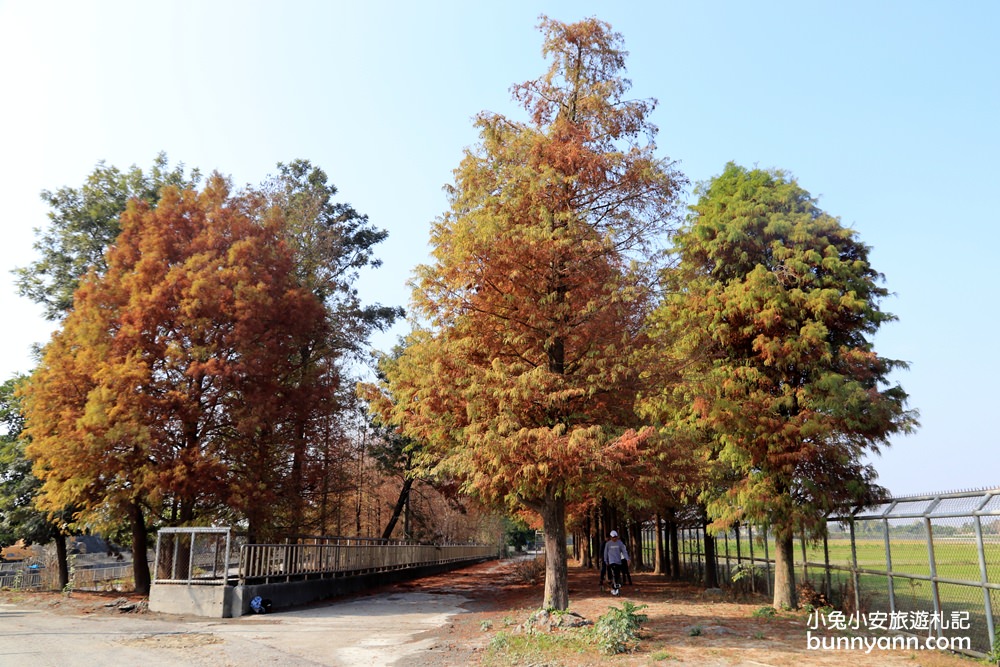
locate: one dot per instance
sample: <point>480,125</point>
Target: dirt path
<point>438,621</point>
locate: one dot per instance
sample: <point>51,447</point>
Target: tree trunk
<point>62,559</point>
<point>296,498</point>
<point>586,557</point>
<point>711,564</point>
<point>595,538</point>
<point>675,551</point>
<point>553,511</point>
<point>408,519</point>
<point>404,494</point>
<point>635,546</point>
<point>659,558</point>
<point>140,548</point>
<point>784,571</point>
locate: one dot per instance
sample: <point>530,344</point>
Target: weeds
<point>71,580</point>
<point>529,571</point>
<point>617,631</point>
<point>993,657</point>
<point>811,598</point>
<point>514,648</point>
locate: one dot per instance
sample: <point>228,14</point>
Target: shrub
<point>617,631</point>
<point>528,571</point>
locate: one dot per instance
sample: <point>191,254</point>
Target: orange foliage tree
<point>163,394</point>
<point>521,381</point>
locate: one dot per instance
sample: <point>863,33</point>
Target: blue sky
<point>886,111</point>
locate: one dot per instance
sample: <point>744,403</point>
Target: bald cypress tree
<point>540,282</point>
<point>773,306</point>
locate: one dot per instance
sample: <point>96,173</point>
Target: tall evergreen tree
<point>538,289</point>
<point>83,222</point>
<point>772,307</point>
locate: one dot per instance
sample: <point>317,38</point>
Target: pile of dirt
<point>78,602</point>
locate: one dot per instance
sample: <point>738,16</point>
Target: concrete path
<point>377,630</point>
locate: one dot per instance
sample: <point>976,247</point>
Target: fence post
<point>933,566</point>
<point>984,577</point>
<point>190,564</point>
<point>855,579</point>
<point>685,552</point>
<point>173,562</point>
<point>888,565</point>
<point>826,560</point>
<point>767,563</point>
<point>805,558</point>
<point>225,565</point>
<point>729,568</point>
<point>736,532</point>
<point>699,553</point>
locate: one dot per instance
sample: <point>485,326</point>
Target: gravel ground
<point>439,621</point>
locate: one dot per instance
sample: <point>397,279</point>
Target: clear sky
<point>889,112</point>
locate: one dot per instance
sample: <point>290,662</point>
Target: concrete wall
<point>233,601</point>
<point>211,601</point>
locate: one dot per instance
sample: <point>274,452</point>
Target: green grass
<point>955,556</point>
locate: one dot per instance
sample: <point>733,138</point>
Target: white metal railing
<point>283,562</point>
<point>215,556</point>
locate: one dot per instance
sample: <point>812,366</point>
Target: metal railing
<point>215,556</point>
<point>937,554</point>
<point>268,563</point>
<point>194,555</point>
<point>92,578</point>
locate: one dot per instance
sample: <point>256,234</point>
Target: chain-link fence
<point>934,557</point>
<point>30,576</point>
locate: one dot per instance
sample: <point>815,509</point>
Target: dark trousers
<point>615,574</point>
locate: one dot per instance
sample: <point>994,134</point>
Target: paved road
<point>381,630</point>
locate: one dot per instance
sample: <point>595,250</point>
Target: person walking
<point>615,554</point>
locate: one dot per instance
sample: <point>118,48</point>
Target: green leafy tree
<point>331,243</point>
<point>83,222</point>
<point>773,306</point>
<point>539,286</point>
<point>19,518</point>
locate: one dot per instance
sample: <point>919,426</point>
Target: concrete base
<point>232,601</point>
<point>200,600</point>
